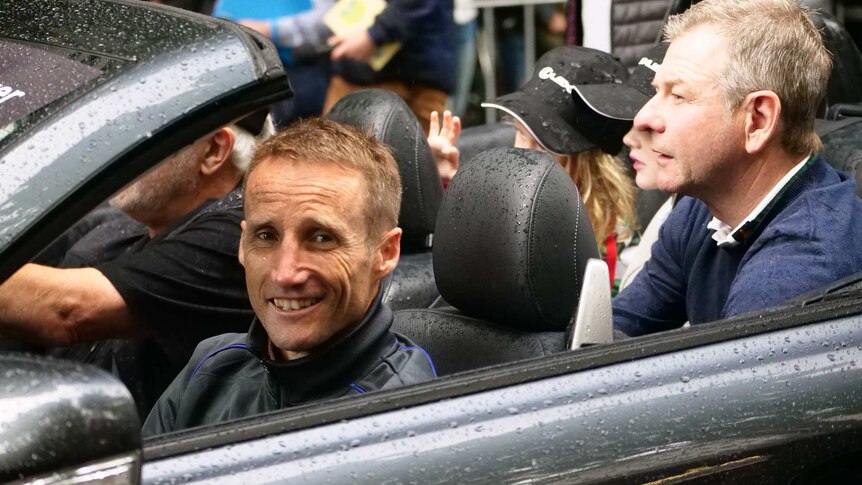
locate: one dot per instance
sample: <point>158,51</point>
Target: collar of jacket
<point>328,372</point>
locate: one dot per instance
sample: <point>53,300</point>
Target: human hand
<point>356,44</point>
<point>441,139</point>
<point>262,26</point>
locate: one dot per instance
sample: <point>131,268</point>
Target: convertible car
<point>95,92</point>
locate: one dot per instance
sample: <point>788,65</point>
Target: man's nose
<point>289,269</point>
<point>649,117</point>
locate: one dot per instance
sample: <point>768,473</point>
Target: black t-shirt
<point>185,285</point>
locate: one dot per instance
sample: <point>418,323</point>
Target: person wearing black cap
<point>764,218</point>
<point>165,279</point>
<point>584,142</point>
<point>622,102</point>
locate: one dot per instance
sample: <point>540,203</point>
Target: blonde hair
<point>607,191</point>
<point>319,141</point>
<point>790,61</point>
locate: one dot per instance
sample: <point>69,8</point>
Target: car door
<point>771,397</point>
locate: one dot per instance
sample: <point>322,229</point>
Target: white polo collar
<point>728,237</point>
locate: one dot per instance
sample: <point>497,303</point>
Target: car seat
<point>513,248</point>
<point>391,121</point>
<point>477,139</point>
<point>846,77</point>
<point>842,145</point>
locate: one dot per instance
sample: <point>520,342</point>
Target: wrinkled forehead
<point>292,175</point>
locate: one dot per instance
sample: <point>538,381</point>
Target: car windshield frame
<point>92,142</point>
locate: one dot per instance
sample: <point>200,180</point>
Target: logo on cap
<point>649,63</point>
<point>548,73</point>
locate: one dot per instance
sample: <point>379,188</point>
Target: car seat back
<point>390,120</point>
<point>477,139</point>
<point>846,76</point>
<point>842,146</point>
<point>511,246</point>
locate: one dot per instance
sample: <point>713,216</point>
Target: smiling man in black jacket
<point>320,234</point>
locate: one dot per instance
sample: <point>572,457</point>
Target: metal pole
<point>529,40</point>
<point>488,69</point>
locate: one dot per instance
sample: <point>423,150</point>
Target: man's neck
<point>732,202</point>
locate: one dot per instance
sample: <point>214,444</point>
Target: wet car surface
<point>772,397</point>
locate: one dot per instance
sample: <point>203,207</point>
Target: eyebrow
<point>671,81</point>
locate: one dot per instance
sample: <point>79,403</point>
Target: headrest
<point>476,139</point>
<point>390,120</point>
<point>846,77</point>
<point>512,241</point>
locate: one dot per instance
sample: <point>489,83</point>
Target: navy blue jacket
<point>808,239</point>
<point>426,31</point>
<point>230,377</point>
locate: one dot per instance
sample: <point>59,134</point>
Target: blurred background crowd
<point>452,54</point>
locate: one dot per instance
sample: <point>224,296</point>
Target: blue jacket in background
<point>809,239</point>
<point>426,30</point>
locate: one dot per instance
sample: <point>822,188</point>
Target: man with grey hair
<point>164,280</point>
<point>732,121</point>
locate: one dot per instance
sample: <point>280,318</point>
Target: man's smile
<point>293,304</point>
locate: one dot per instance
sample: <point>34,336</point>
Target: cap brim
<point>616,101</point>
<point>549,129</point>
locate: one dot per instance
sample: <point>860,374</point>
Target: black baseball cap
<point>254,122</point>
<point>623,101</point>
<point>546,108</point>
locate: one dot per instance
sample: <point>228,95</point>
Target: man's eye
<point>266,236</point>
<point>676,97</point>
<point>322,238</point>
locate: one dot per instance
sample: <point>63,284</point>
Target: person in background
<point>298,32</point>
<point>764,218</point>
<point>136,300</point>
<point>622,102</point>
<point>547,118</point>
<point>422,72</point>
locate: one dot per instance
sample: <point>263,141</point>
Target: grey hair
<point>244,143</point>
<point>773,46</point>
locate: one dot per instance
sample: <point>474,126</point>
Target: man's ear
<point>762,110</point>
<point>388,252</point>
<point>218,150</point>
<point>241,237</point>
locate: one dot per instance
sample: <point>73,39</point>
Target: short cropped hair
<point>318,141</point>
<point>774,46</point>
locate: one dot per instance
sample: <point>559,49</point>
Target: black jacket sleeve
<point>400,20</point>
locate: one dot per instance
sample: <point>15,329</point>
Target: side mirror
<point>593,323</point>
<point>63,422</point>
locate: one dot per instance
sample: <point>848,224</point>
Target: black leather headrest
<point>842,146</point>
<point>390,120</point>
<point>512,241</point>
<point>846,77</point>
<point>477,139</point>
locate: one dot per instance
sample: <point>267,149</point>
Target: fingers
<point>337,44</point>
<point>451,128</point>
<point>452,155</point>
<point>455,131</point>
<point>433,125</point>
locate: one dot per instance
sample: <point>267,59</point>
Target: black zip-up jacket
<point>230,377</point>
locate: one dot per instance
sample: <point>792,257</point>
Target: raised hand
<point>441,139</point>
